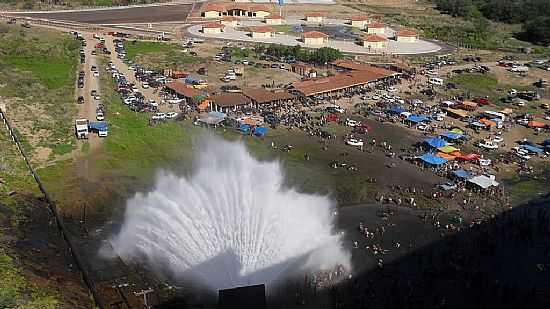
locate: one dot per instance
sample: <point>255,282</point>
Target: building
<point>315,17</point>
<point>314,38</point>
<point>182,91</point>
<point>262,32</point>
<point>360,21</point>
<point>375,41</point>
<point>213,10</point>
<point>341,82</point>
<point>212,28</point>
<point>261,97</point>
<point>230,21</point>
<point>303,69</point>
<point>376,28</point>
<point>228,102</point>
<point>216,10</point>
<point>407,36</point>
<point>274,19</point>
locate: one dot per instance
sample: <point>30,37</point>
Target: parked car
<point>100,116</point>
<point>80,100</point>
<point>171,115</point>
<point>159,116</point>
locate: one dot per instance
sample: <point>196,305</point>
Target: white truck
<point>81,128</point>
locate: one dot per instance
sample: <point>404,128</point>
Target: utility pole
<point>144,294</point>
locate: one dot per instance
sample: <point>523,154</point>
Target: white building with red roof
<point>314,38</point>
<point>375,41</point>
<point>406,36</point>
<point>376,28</point>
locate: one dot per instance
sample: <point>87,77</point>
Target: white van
<point>435,81</point>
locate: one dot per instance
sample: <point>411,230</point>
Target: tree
<point>538,30</point>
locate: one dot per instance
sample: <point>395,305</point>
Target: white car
<point>354,142</point>
<point>376,97</point>
<point>488,145</point>
<point>135,89</point>
<point>99,116</point>
<point>485,162</point>
<point>523,154</point>
<point>392,89</point>
<point>103,133</point>
<point>153,103</point>
<point>338,109</point>
<point>171,115</point>
<point>423,127</point>
<point>245,62</point>
<point>352,123</point>
<point>96,74</point>
<point>159,116</point>
<point>97,97</point>
<point>498,139</point>
<point>174,101</point>
<point>145,85</point>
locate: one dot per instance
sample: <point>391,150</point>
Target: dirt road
<point>88,109</point>
<point>148,93</point>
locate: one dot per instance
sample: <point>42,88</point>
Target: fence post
<point>61,227</point>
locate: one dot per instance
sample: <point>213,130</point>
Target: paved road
<point>150,14</point>
<point>394,47</point>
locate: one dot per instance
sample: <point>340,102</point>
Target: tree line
<point>320,56</point>
<point>534,15</point>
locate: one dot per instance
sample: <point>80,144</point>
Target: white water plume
<point>230,223</point>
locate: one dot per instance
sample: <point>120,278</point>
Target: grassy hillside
<point>39,68</point>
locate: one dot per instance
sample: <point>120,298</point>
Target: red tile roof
<point>274,16</point>
<point>406,33</point>
<point>223,7</point>
<point>213,25</point>
<point>262,29</point>
<point>374,38</point>
<point>262,96</point>
<point>314,14</point>
<point>218,7</point>
<point>360,18</point>
<point>314,34</point>
<point>340,81</point>
<point>229,99</point>
<point>182,89</point>
<point>376,25</point>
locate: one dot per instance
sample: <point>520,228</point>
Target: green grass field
<point>159,55</point>
<point>38,76</point>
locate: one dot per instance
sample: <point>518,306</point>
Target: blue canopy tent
<point>244,128</point>
<point>436,142</point>
<point>451,135</point>
<point>417,118</point>
<point>260,131</point>
<point>432,159</point>
<point>190,80</point>
<point>533,149</point>
<point>462,174</point>
<point>98,125</point>
<point>217,115</point>
<point>396,110</point>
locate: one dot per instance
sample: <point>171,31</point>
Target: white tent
<point>484,181</point>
